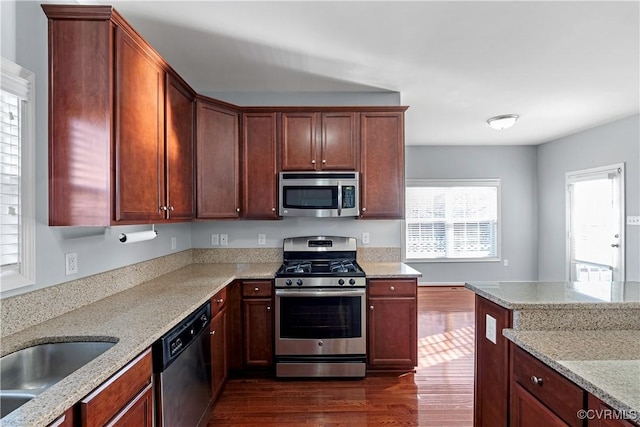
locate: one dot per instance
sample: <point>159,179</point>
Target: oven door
<point>320,322</point>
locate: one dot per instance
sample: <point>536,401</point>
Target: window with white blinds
<point>17,177</point>
<point>452,220</point>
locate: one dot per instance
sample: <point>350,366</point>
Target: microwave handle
<point>339,198</point>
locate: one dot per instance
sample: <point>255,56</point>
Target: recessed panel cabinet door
<point>180,139</point>
<point>139,135</point>
<point>299,141</point>
<point>217,156</point>
<point>260,170</point>
<point>339,141</point>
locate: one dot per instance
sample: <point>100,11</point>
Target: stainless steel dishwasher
<point>182,372</point>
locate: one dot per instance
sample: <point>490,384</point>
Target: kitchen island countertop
<point>604,363</point>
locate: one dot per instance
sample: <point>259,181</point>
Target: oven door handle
<point>321,293</point>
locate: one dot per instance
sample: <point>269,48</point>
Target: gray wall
<point>516,167</point>
<point>615,142</point>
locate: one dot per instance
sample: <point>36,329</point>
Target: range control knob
<point>288,282</point>
<point>299,282</point>
<point>352,281</point>
<point>340,282</point>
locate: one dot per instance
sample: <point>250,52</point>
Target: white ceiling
<point>563,66</point>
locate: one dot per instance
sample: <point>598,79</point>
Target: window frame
<point>21,82</point>
<point>457,182</point>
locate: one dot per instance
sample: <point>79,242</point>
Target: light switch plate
<point>262,239</point>
<point>490,331</point>
<point>365,238</point>
<point>215,239</point>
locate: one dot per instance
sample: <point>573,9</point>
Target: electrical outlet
<point>215,239</point>
<point>224,239</point>
<point>633,220</point>
<point>505,263</point>
<point>365,238</point>
<point>262,239</point>
<point>71,263</point>
<point>174,243</point>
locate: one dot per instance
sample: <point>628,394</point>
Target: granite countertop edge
<point>518,338</point>
<point>187,288</point>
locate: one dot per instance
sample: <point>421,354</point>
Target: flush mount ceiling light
<point>503,122</point>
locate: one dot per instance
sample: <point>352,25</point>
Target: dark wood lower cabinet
<point>527,411</point>
<point>491,401</point>
<point>123,400</point>
<point>219,367</point>
<point>601,415</point>
<point>257,324</point>
<point>392,324</point>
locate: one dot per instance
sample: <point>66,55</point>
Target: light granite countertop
<point>134,319</point>
<point>604,363</point>
<point>560,295</point>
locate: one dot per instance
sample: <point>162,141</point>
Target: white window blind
<point>10,209</point>
<point>17,177</point>
<point>452,220</point>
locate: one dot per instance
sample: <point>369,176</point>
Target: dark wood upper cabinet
<point>259,166</point>
<point>114,158</point>
<point>382,165</point>
<point>139,134</point>
<point>180,149</point>
<point>218,161</point>
<point>319,141</point>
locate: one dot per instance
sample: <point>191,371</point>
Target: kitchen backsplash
<point>25,310</point>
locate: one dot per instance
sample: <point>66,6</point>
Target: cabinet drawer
<point>558,393</point>
<point>218,302</point>
<point>108,399</point>
<point>391,288</point>
<point>256,289</point>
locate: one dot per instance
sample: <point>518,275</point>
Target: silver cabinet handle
<point>273,209</point>
<point>220,301</point>
<point>313,162</point>
<point>171,208</point>
<point>324,162</point>
<point>162,208</point>
<point>364,209</point>
<point>370,307</point>
<point>392,288</point>
<point>268,308</point>
<point>256,289</point>
<point>212,333</point>
<point>237,209</point>
<point>536,380</point>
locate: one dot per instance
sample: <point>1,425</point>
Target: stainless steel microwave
<point>319,194</point>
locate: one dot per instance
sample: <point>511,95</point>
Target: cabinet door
<point>258,332</point>
<point>527,411</point>
<point>138,413</point>
<point>382,165</point>
<point>339,141</point>
<point>217,154</point>
<point>259,166</point>
<point>604,416</point>
<point>392,332</point>
<point>219,367</point>
<point>491,366</point>
<point>139,123</point>
<point>180,138</point>
<point>299,132</point>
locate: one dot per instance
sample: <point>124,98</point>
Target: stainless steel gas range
<point>320,309</point>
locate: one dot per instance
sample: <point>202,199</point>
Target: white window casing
<point>17,176</point>
<point>452,220</point>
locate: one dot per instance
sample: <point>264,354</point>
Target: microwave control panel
<point>348,196</point>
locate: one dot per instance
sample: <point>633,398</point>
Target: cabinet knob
<point>268,308</point>
<point>256,289</point>
<point>171,208</point>
<point>536,380</point>
<point>313,162</point>
<point>364,209</point>
<point>273,209</point>
<point>370,307</point>
<point>220,301</point>
<point>212,333</point>
<point>162,208</point>
<point>392,288</point>
<point>324,162</point>
<point>237,209</point>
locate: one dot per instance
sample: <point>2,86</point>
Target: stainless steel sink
<point>30,371</point>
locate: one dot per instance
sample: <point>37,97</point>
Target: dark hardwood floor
<point>439,393</point>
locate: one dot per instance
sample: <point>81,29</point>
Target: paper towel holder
<point>138,236</point>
